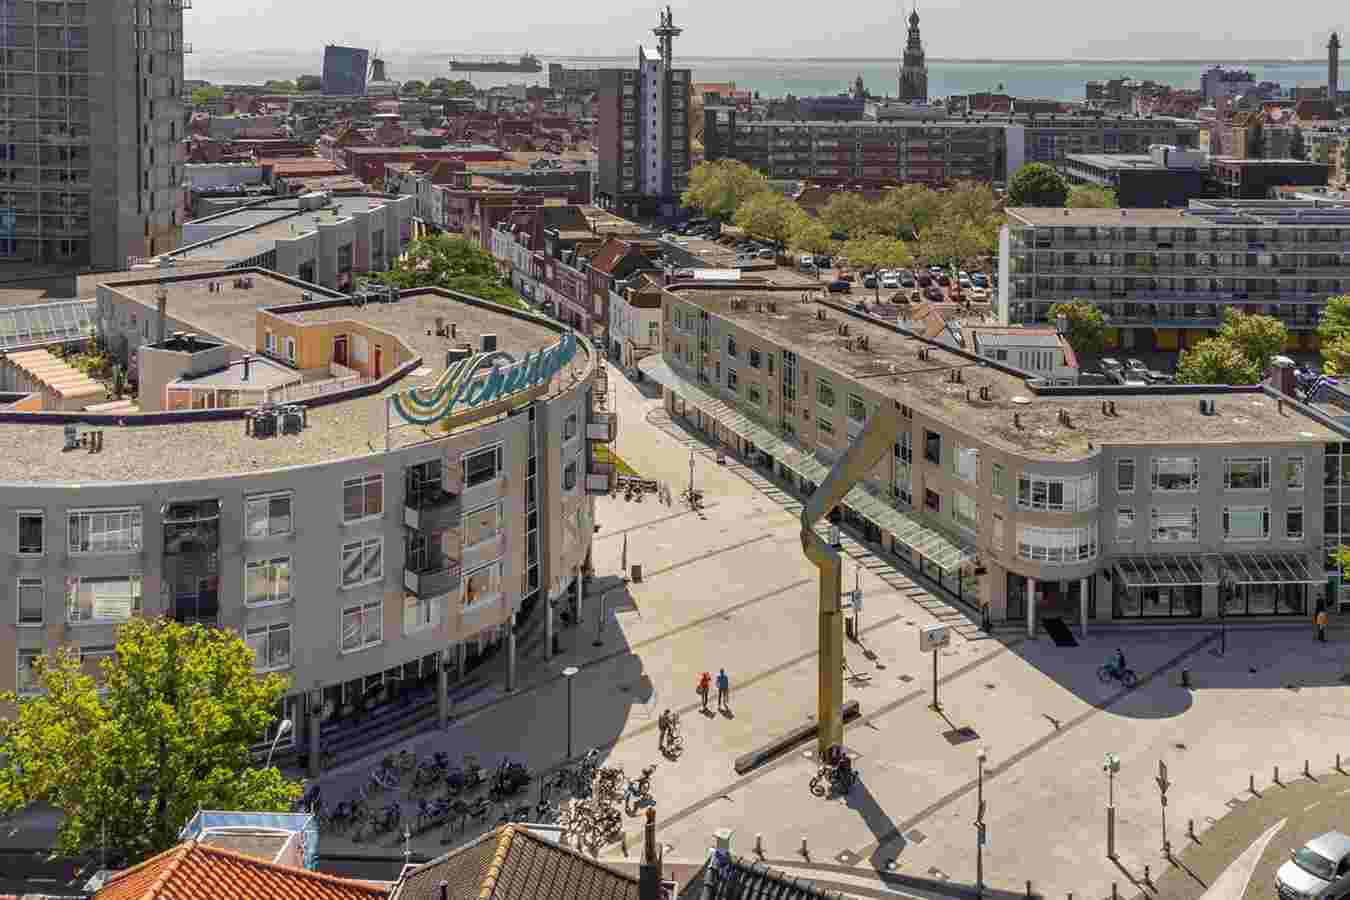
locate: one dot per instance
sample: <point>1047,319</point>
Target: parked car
<point>671,236</point>
<point>979,279</point>
<point>767,253</point>
<point>1319,870</point>
<point>806,261</point>
<point>934,293</point>
<point>840,286</point>
<point>1136,367</point>
<point>869,281</point>
<point>907,279</point>
<point>890,282</point>
<point>936,270</point>
<point>962,274</point>
<point>682,274</point>
<point>944,279</point>
<point>847,276</point>
<point>964,281</point>
<point>925,279</point>
<point>976,294</point>
<point>823,261</point>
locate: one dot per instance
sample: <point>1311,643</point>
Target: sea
<point>775,77</point>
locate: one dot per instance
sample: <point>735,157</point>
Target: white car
<point>977,293</point>
<point>890,282</point>
<point>806,261</point>
<point>964,280</point>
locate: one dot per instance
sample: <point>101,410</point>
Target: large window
<point>857,410</point>
<point>996,535</point>
<point>1294,473</point>
<point>1057,545</point>
<point>1125,476</point>
<point>1246,523</point>
<point>1174,525</point>
<point>932,447</point>
<point>362,497</point>
<point>1293,523</point>
<point>569,426</point>
<point>32,595</point>
<point>362,561</point>
<point>1182,601</point>
<point>271,646</point>
<point>1125,524</point>
<point>482,585</point>
<point>420,612</point>
<point>904,450</point>
<point>967,462</point>
<point>114,599</point>
<point>268,515</point>
<point>999,477</point>
<point>1246,473</point>
<point>362,626</point>
<point>27,667</point>
<point>932,501</point>
<point>1176,473</point>
<point>570,476</point>
<point>754,357</point>
<point>267,581</point>
<point>482,466</point>
<point>105,530</point>
<point>824,393</point>
<point>31,527</point>
<point>964,512</point>
<point>482,524</point>
<point>1057,494</point>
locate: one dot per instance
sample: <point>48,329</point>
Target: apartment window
<point>1057,494</point>
<point>1246,473</point>
<point>1057,545</point>
<point>998,475</point>
<point>1176,474</point>
<point>362,497</point>
<point>824,393</point>
<point>114,599</point>
<point>270,339</point>
<point>731,380</point>
<point>1293,523</point>
<point>996,535</point>
<point>904,448</point>
<point>857,410</point>
<point>31,527</point>
<point>967,461</point>
<point>1294,473</point>
<point>271,646</point>
<point>91,661</point>
<point>32,595</point>
<point>752,392</point>
<point>825,427</point>
<point>1125,524</point>
<point>482,466</point>
<point>269,515</point>
<point>905,411</point>
<point>754,358</point>
<point>964,512</point>
<point>932,447</point>
<point>419,613</point>
<point>1174,526</point>
<point>105,530</point>
<point>482,524</point>
<point>570,476</point>
<point>731,346</point>
<point>362,561</point>
<point>267,581</point>
<point>290,349</point>
<point>1125,476</point>
<point>28,682</point>
<point>362,626</point>
<point>483,585</point>
<point>569,428</point>
<point>932,501</point>
<point>1246,523</point>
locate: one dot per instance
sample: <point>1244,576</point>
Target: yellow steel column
<point>830,703</point>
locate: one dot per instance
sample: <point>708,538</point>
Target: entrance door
<point>378,368</point>
<point>340,350</point>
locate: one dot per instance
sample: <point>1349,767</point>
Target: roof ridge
<point>505,834</point>
<point>146,863</point>
<point>554,846</point>
<point>322,877</point>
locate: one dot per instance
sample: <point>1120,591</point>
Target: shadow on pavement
<point>861,800</point>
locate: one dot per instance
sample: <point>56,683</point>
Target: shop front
<point>1164,586</point>
<point>1268,584</point>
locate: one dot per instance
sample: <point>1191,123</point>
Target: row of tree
<point>435,88</point>
<point>1037,184</point>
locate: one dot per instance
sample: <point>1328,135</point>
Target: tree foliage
<point>718,188</point>
<point>1335,321</point>
<point>1257,337</point>
<point>849,214</point>
<point>1037,184</point>
<point>279,87</point>
<point>768,215</point>
<point>1336,357</point>
<point>413,87</point>
<point>1086,325</point>
<point>877,251</point>
<point>1216,360</point>
<point>204,95</point>
<point>810,235</point>
<point>451,262</point>
<point>907,211</point>
<point>170,736</point>
<point>1091,196</point>
<point>308,83</point>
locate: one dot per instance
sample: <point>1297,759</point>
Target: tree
<point>719,188</point>
<point>849,214</point>
<point>1336,357</point>
<point>279,87</point>
<point>1091,196</point>
<point>413,87</point>
<point>810,235</point>
<point>876,251</point>
<point>1036,184</point>
<point>1216,360</point>
<point>1257,337</point>
<point>1086,325</point>
<point>170,735</point>
<point>308,83</point>
<point>451,262</point>
<point>460,88</point>
<point>1335,322</point>
<point>768,215</point>
<point>971,201</point>
<point>956,242</point>
<point>906,211</point>
<point>204,95</point>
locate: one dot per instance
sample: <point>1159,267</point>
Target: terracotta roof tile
<point>192,870</point>
<point>609,255</point>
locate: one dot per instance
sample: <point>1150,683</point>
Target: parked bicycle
<point>639,791</point>
<point>836,775</point>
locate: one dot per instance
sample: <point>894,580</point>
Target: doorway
<point>340,350</point>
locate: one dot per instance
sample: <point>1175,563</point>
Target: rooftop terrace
<point>256,229</point>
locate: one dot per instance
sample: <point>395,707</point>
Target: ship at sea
<point>528,63</point>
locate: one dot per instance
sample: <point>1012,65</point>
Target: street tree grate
<point>963,735</point>
<point>847,857</point>
<point>916,837</point>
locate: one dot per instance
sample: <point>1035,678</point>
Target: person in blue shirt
<point>723,689</point>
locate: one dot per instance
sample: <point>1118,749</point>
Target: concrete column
<point>443,691</point>
<point>1031,607</point>
<point>548,627</point>
<point>1083,585</point>
<point>511,655</point>
<point>460,651</point>
<point>313,713</point>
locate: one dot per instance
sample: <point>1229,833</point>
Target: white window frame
<point>569,426</point>
<point>733,381</point>
<point>1058,546</point>
<point>29,582</point>
<point>824,426</point>
<point>363,481</point>
<point>1226,516</point>
<point>265,632</point>
<point>969,523</point>
<point>19,657</point>
<point>824,386</point>
<point>1077,493</point>
<point>571,471</point>
<point>250,502</point>
<point>135,525</point>
<point>1262,464</point>
<point>966,463</point>
<point>996,533</point>
<point>269,342</point>
<point>998,480</point>
<point>361,546</point>
<point>1155,465</point>
<point>852,403</point>
<point>290,349</point>
<point>464,587</point>
<point>19,516</point>
<point>275,598</point>
<point>499,462</point>
<point>365,612</point>
<point>1292,463</point>
<point>73,584</point>
<point>500,508</point>
<point>1155,513</point>
<point>420,613</point>
<point>1134,474</point>
<point>1303,523</point>
<point>1125,519</point>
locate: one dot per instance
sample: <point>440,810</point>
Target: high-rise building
<point>92,120</point>
<point>913,70</point>
<point>643,143</point>
<point>1333,67</point>
<point>345,70</point>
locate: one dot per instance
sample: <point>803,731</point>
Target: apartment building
<point>90,160</point>
<point>1164,276</point>
<point>345,70</point>
<point>1024,502</point>
<point>369,541</point>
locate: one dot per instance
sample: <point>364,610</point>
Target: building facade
<point>1165,177</point>
<point>81,75</point>
<point>913,70</point>
<point>345,70</point>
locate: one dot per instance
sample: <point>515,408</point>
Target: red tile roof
<point>609,255</point>
<point>191,871</point>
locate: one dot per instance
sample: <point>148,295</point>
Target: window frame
<point>1153,515</point>
<point>998,532</point>
<point>1302,466</point>
<point>930,495</point>
<point>754,357</point>
<point>824,387</point>
<point>1225,517</point>
<point>19,587</point>
<point>1263,471</point>
<point>571,472</point>
<point>931,437</point>
<point>499,464</point>
<point>998,485</point>
<point>361,546</point>
<point>1072,489</point>
<point>1134,474</point>
<point>1154,467</point>
<point>464,604</point>
<point>19,655</point>
<point>570,428</point>
<point>1302,523</point>
<point>850,401</point>
<point>137,527</point>
<point>363,482</point>
<point>363,610</point>
<point>75,582</point>
<point>499,507</point>
<point>971,523</point>
<point>267,630</point>
<point>267,498</point>
<point>19,516</point>
<point>1083,540</point>
<point>274,598</point>
<point>969,473</point>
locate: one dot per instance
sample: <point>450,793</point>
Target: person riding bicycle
<point>1116,664</point>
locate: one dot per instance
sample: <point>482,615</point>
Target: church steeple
<point>913,70</point>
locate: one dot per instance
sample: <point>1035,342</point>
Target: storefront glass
<point>1156,602</point>
<point>1266,600</point>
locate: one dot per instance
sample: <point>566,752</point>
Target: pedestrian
<point>723,690</point>
<point>661,725</point>
<point>1321,621</point>
<point>704,686</point>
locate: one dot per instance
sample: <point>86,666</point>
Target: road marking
<point>613,534</point>
<point>709,555</point>
<point>1312,806</point>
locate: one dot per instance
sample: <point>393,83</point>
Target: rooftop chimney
<point>649,872</point>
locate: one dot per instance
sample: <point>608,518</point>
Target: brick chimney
<point>649,872</point>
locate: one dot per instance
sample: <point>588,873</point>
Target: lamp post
<point>600,621</point>
<point>569,673</point>
<point>283,728</point>
<point>1111,766</point>
<point>981,757</point>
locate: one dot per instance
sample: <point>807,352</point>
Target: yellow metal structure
<point>875,441</point>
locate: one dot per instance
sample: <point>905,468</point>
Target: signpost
<point>1111,767</point>
<point>934,638</point>
<point>1163,785</point>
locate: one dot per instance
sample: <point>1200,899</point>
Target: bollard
<point>1277,774</point>
<point>1115,894</point>
<point>759,844</point>
<point>1338,762</point>
<point>1190,829</point>
<point>1251,783</point>
<point>1028,889</point>
<point>624,845</point>
<point>1148,879</point>
<point>803,851</point>
<point>1185,678</point>
<point>1306,773</point>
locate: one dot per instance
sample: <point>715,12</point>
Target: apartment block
<point>90,159</point>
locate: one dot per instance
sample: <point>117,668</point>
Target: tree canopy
<point>768,215</point>
<point>1335,322</point>
<point>171,735</point>
<point>1037,184</point>
<point>877,251</point>
<point>451,262</point>
<point>308,83</point>
<point>718,188</point>
<point>907,211</point>
<point>1086,325</point>
<point>1215,360</point>
<point>810,235</point>
<point>1257,337</point>
<point>413,87</point>
<point>279,87</point>
<point>204,95</point>
<point>850,214</point>
<point>1091,196</point>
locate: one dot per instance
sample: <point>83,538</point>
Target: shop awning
<point>940,549</point>
<point>1163,570</point>
<point>1271,568</point>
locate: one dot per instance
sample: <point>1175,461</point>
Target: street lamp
<point>600,621</point>
<point>981,757</point>
<point>283,728</point>
<point>569,673</point>
<point>1111,766</point>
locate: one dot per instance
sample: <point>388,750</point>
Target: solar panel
<point>46,323</point>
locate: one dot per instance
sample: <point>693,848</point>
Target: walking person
<point>723,690</point>
<point>1321,621</point>
<point>704,686</point>
<point>662,725</point>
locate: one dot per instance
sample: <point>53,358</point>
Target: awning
<point>943,551</point>
<point>1271,568</point>
<point>1163,570</point>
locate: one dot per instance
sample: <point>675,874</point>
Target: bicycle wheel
<point>1129,678</point>
<point>1103,674</point>
<point>816,787</point>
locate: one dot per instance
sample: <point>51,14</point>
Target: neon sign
<point>465,386</point>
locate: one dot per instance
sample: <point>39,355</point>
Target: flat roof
<point>266,224</point>
<point>1087,218</point>
<point>1136,161</point>
<point>891,366</point>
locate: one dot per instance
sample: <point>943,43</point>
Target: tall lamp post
<point>283,728</point>
<point>569,673</point>
<point>1111,766</point>
<point>981,758</point>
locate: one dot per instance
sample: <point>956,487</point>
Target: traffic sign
<point>934,637</point>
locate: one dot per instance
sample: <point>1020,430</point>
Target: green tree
<point>1086,325</point>
<point>170,735</point>
<point>768,215</point>
<point>810,235</point>
<point>1336,356</point>
<point>204,95</point>
<point>850,214</point>
<point>1091,196</point>
<point>1216,360</point>
<point>279,87</point>
<point>413,87</point>
<point>454,263</point>
<point>1335,322</point>
<point>308,83</point>
<point>876,251</point>
<point>971,201</point>
<point>907,211</point>
<point>1037,184</point>
<point>460,88</point>
<point>1258,337</point>
<point>719,188</point>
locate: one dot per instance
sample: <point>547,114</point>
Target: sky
<point>1042,29</point>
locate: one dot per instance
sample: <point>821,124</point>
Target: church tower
<point>913,71</point>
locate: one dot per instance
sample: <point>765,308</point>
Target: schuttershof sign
<point>481,379</point>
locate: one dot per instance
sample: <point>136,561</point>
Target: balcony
<point>605,429</point>
<point>429,506</point>
<point>432,579</point>
<point>471,556</point>
<point>603,478</point>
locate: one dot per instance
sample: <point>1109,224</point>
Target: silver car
<point>1319,870</point>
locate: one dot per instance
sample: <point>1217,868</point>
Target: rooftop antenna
<point>666,32</point>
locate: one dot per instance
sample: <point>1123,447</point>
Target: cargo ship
<point>528,63</point>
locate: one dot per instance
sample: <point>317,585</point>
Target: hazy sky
<point>845,28</point>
